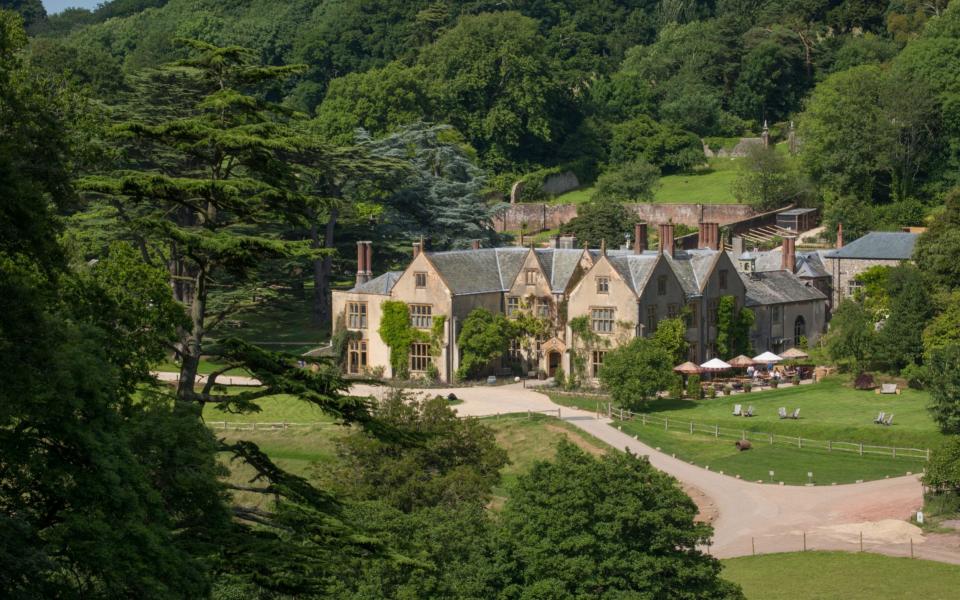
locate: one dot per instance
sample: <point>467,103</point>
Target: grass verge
<point>823,575</point>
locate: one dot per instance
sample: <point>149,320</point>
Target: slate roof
<point>634,268</point>
<point>692,267</point>
<point>495,269</point>
<point>559,265</point>
<point>809,264</point>
<point>879,245</point>
<point>778,287</point>
<point>382,284</point>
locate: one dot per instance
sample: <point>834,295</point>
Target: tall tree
<point>207,196</point>
<point>611,527</point>
<point>89,505</point>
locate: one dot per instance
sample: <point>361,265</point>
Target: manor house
<point>618,294</point>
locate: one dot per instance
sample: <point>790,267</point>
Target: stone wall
<point>559,183</point>
<point>539,217</point>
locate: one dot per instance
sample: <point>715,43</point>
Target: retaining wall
<point>539,217</point>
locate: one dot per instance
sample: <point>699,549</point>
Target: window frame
<point>512,305</point>
<point>356,355</point>
<point>603,284</point>
<point>419,314</point>
<point>531,276</point>
<point>596,361</point>
<point>420,280</point>
<point>723,276</point>
<point>418,359</point>
<point>361,314</point>
<point>607,320</point>
<point>662,285</point>
<point>651,319</point>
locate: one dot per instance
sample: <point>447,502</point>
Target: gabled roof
<point>382,284</point>
<point>634,268</point>
<point>778,287</point>
<point>693,268</point>
<point>879,245</point>
<point>559,265</point>
<point>495,269</point>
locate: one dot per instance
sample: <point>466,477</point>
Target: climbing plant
<point>484,337</point>
<point>397,333</point>
<point>733,328</point>
<point>588,340</point>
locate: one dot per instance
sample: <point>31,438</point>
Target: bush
<point>559,378</point>
<point>711,392</point>
<point>774,383</point>
<point>917,376</point>
<point>676,390</point>
<point>747,387</point>
<point>943,471</point>
<point>727,390</point>
<point>693,388</point>
<point>795,380</point>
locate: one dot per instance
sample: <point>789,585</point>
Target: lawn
<point>710,184</point>
<point>789,464</point>
<point>829,410</point>
<point>828,575</point>
<point>274,409</point>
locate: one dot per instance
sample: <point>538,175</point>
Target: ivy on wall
<point>397,333</point>
<point>733,328</point>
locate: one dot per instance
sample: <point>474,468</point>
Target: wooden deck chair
<point>796,414</point>
<point>749,412</point>
<point>889,420</point>
<point>879,419</point>
<point>782,412</point>
<point>737,410</point>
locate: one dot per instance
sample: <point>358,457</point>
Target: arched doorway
<point>553,363</point>
<point>799,331</point>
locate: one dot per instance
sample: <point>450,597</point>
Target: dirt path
<point>746,516</point>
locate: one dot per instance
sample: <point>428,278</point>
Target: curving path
<point>752,516</point>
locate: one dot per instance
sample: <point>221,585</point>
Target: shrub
<point>559,378</point>
<point>943,471</point>
<point>727,390</point>
<point>795,380</point>
<point>916,375</point>
<point>774,383</point>
<point>711,392</point>
<point>747,387</point>
<point>676,390</point>
<point>693,387</point>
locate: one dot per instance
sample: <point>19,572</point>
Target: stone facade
<point>617,294</point>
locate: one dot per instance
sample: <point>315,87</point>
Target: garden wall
<point>539,217</point>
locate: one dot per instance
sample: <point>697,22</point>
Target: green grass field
<point>834,575</point>
<point>274,409</point>
<point>830,411</point>
<point>789,464</point>
<point>710,184</point>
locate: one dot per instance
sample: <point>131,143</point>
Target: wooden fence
<point>769,438</point>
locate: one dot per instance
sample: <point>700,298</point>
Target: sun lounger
<point>879,419</point>
<point>737,410</point>
<point>782,412</point>
<point>889,420</point>
<point>749,412</point>
<point>796,414</point>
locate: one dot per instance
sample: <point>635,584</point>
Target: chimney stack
<point>417,248</point>
<point>475,244</point>
<point>603,246</point>
<point>368,262</point>
<point>363,275</point>
<point>788,260</point>
<point>639,238</point>
<point>839,235</point>
<point>737,243</point>
<point>666,238</point>
<point>709,236</point>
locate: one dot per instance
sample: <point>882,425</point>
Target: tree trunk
<point>193,344</point>
<point>322,268</point>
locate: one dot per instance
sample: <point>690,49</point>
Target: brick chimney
<point>788,257</point>
<point>839,235</point>
<point>709,236</point>
<point>362,273</point>
<point>639,238</point>
<point>417,248</point>
<point>666,238</point>
<point>475,244</point>
<point>368,263</point>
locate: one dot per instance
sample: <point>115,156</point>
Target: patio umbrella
<point>766,358</point>
<point>687,368</point>
<point>715,364</point>
<point>795,353</point>
<point>741,362</point>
